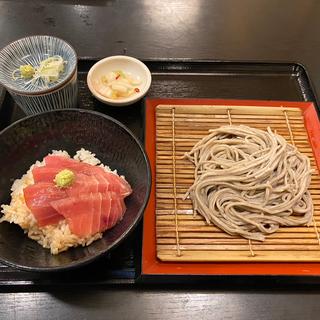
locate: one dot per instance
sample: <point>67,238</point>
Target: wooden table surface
<point>272,30</point>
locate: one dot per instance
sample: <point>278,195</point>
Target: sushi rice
<point>56,237</point>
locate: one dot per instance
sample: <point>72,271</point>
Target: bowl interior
<point>31,139</point>
<point>32,50</point>
<point>127,64</point>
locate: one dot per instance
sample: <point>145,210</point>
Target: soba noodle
<point>249,182</point>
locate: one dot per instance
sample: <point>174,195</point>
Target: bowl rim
<point>123,101</point>
<point>55,87</point>
<point>132,226</point>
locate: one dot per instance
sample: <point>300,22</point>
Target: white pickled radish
<point>136,81</point>
<point>118,84</point>
<point>119,87</point>
<point>122,83</point>
<point>111,76</point>
<point>103,90</point>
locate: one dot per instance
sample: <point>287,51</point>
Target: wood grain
<point>182,304</point>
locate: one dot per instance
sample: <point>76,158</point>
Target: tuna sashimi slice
<point>46,215</point>
<point>38,197</point>
<point>105,211</point>
<point>123,206</point>
<point>112,216</point>
<point>83,184</point>
<point>57,161</point>
<point>62,162</point>
<point>97,209</point>
<point>88,214</point>
<point>104,184</point>
<point>78,213</point>
<point>88,217</point>
<point>116,183</point>
<point>44,174</point>
<point>93,203</point>
<point>115,213</point>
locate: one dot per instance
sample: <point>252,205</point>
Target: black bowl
<point>30,139</point>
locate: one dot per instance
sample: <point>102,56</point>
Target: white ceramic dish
<point>127,64</point>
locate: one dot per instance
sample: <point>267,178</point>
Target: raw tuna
<point>117,184</point>
<point>56,161</point>
<point>86,184</point>
<point>83,184</point>
<point>38,198</point>
<point>44,174</point>
<point>88,214</point>
<point>93,203</point>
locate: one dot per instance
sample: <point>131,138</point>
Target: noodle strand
<point>249,182</point>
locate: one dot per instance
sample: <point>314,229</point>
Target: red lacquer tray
<point>151,265</point>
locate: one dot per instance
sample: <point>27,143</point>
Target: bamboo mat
<point>182,237</point>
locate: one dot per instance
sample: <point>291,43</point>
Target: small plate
<point>127,64</point>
